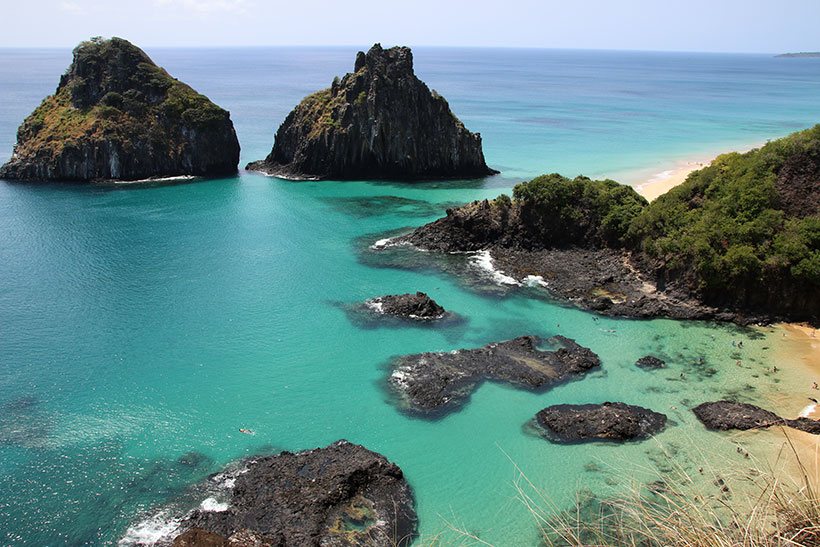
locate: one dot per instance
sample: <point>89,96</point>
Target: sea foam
<point>160,527</point>
<point>484,261</point>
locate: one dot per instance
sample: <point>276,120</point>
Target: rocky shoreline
<point>435,384</point>
<point>567,264</point>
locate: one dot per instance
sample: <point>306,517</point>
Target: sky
<point>757,26</point>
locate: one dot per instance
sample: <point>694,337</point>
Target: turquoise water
<point>140,328</point>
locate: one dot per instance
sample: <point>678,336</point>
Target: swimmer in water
<point>247,431</point>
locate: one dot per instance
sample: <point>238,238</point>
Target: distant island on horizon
<point>811,54</point>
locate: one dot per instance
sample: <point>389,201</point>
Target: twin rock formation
<point>118,116</point>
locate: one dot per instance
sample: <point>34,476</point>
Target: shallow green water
<point>140,329</point>
<point>171,317</point>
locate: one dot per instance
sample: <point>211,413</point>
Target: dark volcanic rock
<point>725,415</point>
<point>650,362</point>
<point>117,116</point>
<point>798,184</point>
<point>417,306</point>
<point>437,383</point>
<point>197,537</point>
<point>616,422</point>
<point>340,495</point>
<point>379,121</point>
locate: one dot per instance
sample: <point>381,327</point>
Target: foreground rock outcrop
<point>613,422</point>
<point>379,121</point>
<point>339,495</point>
<point>118,116</point>
<point>725,415</point>
<point>416,306</point>
<point>433,384</point>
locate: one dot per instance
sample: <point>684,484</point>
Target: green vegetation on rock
<point>583,210</point>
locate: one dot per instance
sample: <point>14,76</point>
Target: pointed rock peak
<point>395,60</point>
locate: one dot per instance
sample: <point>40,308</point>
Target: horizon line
<point>418,46</point>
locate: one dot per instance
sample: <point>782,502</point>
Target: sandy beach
<point>662,182</point>
<point>651,184</point>
<point>798,355</point>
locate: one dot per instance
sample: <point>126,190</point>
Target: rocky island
<point>379,121</point>
<point>800,55</point>
<point>612,422</point>
<point>737,241</point>
<point>339,495</point>
<point>418,306</point>
<point>433,384</point>
<point>118,116</point>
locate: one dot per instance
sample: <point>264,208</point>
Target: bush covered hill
<point>743,233</point>
<point>117,115</point>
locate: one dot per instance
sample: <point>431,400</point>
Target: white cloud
<point>72,7</point>
<point>206,6</point>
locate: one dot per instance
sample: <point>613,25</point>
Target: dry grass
<point>762,506</point>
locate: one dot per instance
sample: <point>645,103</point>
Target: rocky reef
<point>725,415</point>
<point>118,116</point>
<point>339,495</point>
<point>418,306</point>
<point>650,362</point>
<point>433,384</point>
<point>379,121</point>
<point>612,422</point>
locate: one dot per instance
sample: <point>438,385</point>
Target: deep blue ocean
<point>141,327</point>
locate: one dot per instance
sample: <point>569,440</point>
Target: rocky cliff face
<point>379,121</point>
<point>117,115</point>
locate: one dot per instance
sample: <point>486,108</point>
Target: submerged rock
<point>379,121</point>
<point>416,306</point>
<point>650,362</point>
<point>615,422</point>
<point>118,116</point>
<point>342,494</point>
<point>725,415</point>
<point>436,383</point>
